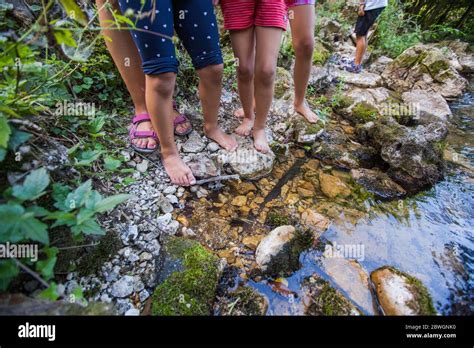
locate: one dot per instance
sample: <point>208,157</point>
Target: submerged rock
<point>320,298</point>
<point>314,221</point>
<point>401,294</point>
<point>248,162</point>
<point>332,186</point>
<point>428,68</point>
<point>278,253</point>
<point>352,278</point>
<point>19,304</point>
<point>378,183</point>
<point>187,279</point>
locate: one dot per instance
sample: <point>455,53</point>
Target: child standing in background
<point>256,28</point>
<point>369,11</point>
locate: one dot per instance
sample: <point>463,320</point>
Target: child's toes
<point>151,143</point>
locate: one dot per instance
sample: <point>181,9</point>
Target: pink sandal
<point>180,120</point>
<point>134,134</point>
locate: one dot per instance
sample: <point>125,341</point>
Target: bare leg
<point>210,88</point>
<point>302,31</point>
<point>127,59</point>
<point>243,44</point>
<point>267,47</point>
<point>128,62</point>
<point>361,43</point>
<point>159,98</point>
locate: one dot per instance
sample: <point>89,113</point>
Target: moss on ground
<point>363,112</point>
<point>192,290</point>
<point>92,262</point>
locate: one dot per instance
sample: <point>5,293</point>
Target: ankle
<point>210,127</point>
<point>299,103</point>
<point>139,110</point>
<point>169,152</point>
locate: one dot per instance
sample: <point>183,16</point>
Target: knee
<point>245,72</point>
<point>162,84</point>
<point>266,74</point>
<point>304,47</point>
<point>212,73</point>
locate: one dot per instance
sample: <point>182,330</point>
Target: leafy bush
<point>24,220</point>
<point>396,31</point>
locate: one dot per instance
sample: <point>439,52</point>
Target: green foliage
<point>23,220</point>
<point>396,31</point>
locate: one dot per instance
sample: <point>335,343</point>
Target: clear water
<point>433,240</point>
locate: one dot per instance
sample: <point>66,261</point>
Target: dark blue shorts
<point>365,22</point>
<point>194,22</point>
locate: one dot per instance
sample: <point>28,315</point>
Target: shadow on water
<point>433,241</point>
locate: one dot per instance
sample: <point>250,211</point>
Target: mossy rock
<point>188,281</point>
<point>363,113</point>
<point>244,301</point>
<point>321,54</point>
<point>323,299</point>
<point>400,293</point>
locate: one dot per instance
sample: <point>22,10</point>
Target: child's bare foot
<point>227,141</point>
<point>239,113</point>
<point>179,173</point>
<point>260,141</point>
<point>245,127</point>
<point>144,143</point>
<point>304,110</point>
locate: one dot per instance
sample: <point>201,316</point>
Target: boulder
<point>428,68</point>
<point>401,294</point>
<point>415,155</point>
<point>379,65</point>
<point>378,183</point>
<point>278,253</point>
<point>319,77</point>
<point>249,163</point>
<point>430,107</point>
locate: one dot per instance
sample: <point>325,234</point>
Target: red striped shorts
<point>243,14</point>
